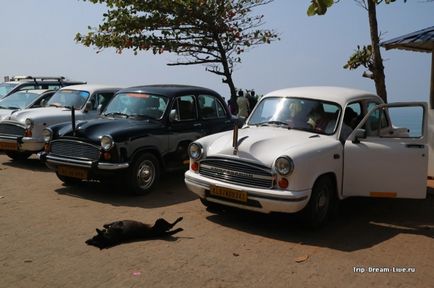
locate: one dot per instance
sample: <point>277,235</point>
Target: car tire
<point>144,174</point>
<point>68,181</point>
<point>320,204</point>
<point>18,156</point>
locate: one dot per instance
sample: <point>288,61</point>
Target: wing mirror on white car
<point>359,134</point>
<point>88,106</point>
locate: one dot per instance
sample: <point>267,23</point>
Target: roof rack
<point>36,78</point>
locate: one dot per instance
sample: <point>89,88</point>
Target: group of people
<point>244,103</point>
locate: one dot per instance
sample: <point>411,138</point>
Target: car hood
<point>5,112</point>
<point>118,129</point>
<point>265,144</point>
<point>44,113</point>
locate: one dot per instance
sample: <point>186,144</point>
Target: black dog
<point>129,230</point>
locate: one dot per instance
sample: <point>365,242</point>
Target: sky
<point>37,38</point>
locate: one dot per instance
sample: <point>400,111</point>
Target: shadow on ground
<point>171,190</point>
<point>362,223</point>
<point>32,163</point>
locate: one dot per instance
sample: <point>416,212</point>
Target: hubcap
<point>145,174</point>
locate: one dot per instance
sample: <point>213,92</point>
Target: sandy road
<point>44,225</point>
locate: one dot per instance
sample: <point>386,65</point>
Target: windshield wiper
<point>117,114</point>
<point>279,123</point>
<point>57,105</point>
<point>144,116</point>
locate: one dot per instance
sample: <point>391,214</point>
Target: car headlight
<point>29,123</point>
<point>106,142</point>
<point>47,134</point>
<point>195,151</point>
<point>284,165</point>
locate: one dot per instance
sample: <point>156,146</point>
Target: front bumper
<point>20,144</point>
<point>258,199</point>
<point>53,161</point>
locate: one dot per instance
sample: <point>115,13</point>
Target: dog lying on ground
<point>129,230</point>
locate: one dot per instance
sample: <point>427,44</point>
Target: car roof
<point>340,95</point>
<point>91,88</point>
<point>170,90</point>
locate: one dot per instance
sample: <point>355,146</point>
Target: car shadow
<point>360,224</point>
<point>33,163</point>
<point>169,191</point>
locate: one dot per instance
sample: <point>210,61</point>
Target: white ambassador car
<point>21,132</point>
<point>303,149</point>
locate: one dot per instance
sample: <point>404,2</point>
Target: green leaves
<point>361,57</point>
<point>319,7</point>
<point>213,33</point>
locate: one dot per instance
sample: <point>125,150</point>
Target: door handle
<point>419,146</point>
<point>197,124</point>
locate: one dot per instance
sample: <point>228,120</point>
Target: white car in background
<point>303,149</point>
<point>21,132</point>
<point>24,99</point>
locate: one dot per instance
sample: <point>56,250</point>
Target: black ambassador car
<point>142,132</point>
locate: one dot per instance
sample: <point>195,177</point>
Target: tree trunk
<point>226,70</point>
<point>378,68</point>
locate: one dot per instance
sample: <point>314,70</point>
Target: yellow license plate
<point>8,146</point>
<point>74,172</point>
<point>228,193</point>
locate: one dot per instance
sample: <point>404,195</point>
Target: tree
<point>368,56</point>
<point>213,33</point>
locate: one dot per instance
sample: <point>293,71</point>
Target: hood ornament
<point>235,140</point>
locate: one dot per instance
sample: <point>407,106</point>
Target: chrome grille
<point>11,129</point>
<point>236,172</point>
<point>75,149</point>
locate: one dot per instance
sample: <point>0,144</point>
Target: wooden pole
<point>431,91</point>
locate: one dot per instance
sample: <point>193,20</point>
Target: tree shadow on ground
<point>169,191</point>
<point>361,223</point>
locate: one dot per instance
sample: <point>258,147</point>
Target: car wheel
<point>144,174</point>
<point>68,181</point>
<point>17,156</point>
<point>317,211</point>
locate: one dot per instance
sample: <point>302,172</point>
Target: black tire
<point>18,156</point>
<point>68,181</point>
<point>144,174</point>
<point>321,203</point>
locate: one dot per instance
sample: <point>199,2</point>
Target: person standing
<point>243,105</point>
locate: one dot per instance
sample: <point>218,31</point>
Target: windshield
<point>68,98</point>
<point>5,88</point>
<point>136,105</point>
<point>18,100</point>
<point>297,113</point>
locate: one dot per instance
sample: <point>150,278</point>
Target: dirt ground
<point>44,225</point>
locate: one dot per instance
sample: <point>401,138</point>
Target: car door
<point>389,157</point>
<point>213,115</point>
<point>185,127</point>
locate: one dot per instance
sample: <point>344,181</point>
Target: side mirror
<point>88,106</point>
<point>43,103</point>
<point>359,134</point>
<point>172,116</point>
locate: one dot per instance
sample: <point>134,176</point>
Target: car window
<point>297,113</point>
<point>68,98</point>
<point>136,104</point>
<point>101,98</point>
<point>5,88</point>
<point>18,100</point>
<point>210,107</point>
<point>376,121</point>
<point>184,108</point>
